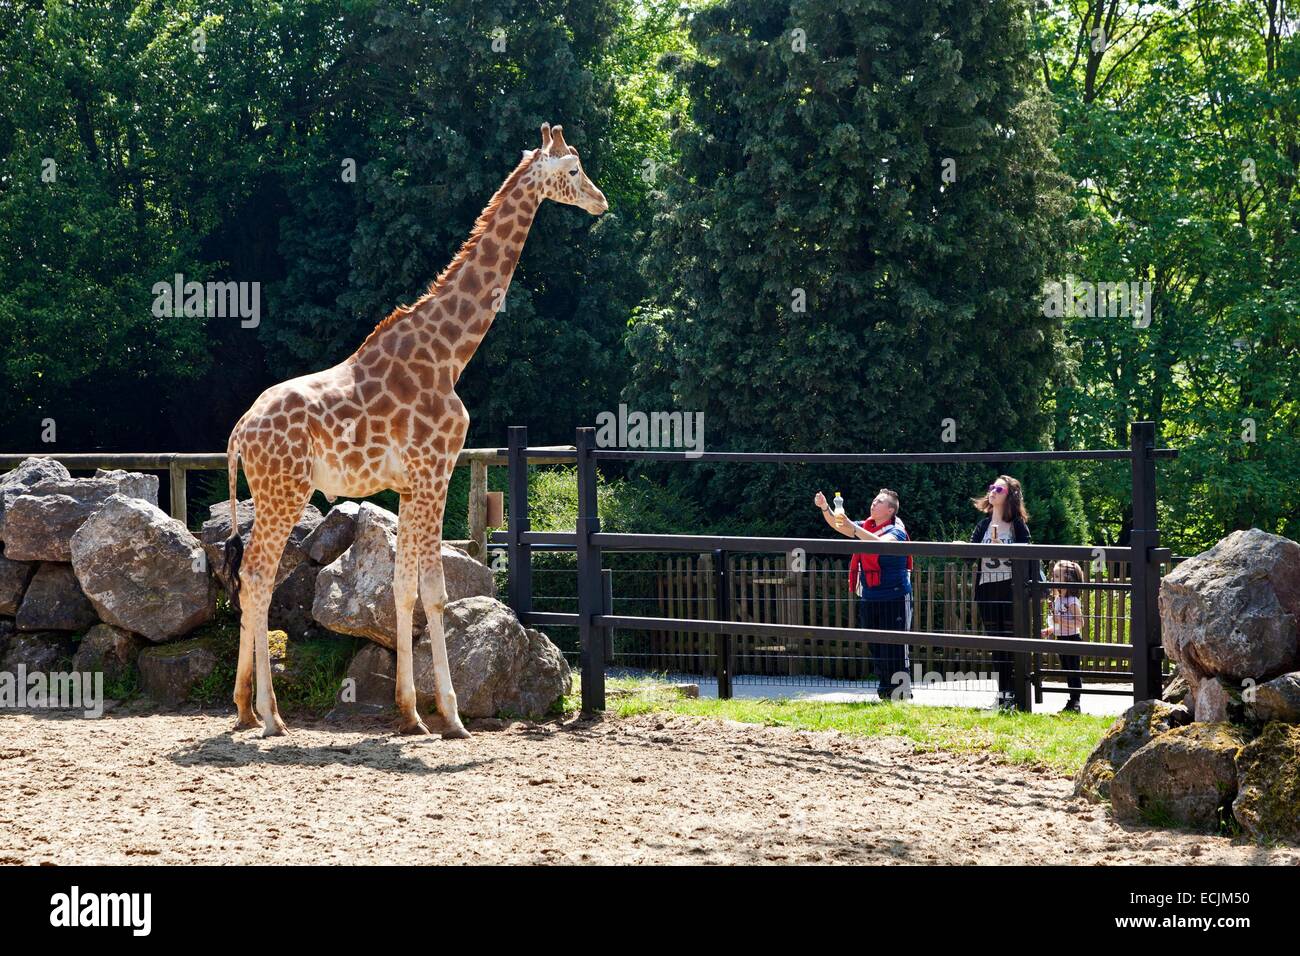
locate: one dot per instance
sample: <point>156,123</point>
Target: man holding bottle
<point>883,585</point>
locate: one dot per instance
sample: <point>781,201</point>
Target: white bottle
<point>839,510</point>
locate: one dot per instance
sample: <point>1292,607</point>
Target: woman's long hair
<point>1015,506</point>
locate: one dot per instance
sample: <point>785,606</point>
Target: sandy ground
<point>652,789</point>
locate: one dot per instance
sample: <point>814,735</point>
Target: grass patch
<point>1058,742</point>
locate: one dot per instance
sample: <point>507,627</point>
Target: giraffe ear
<point>573,151</point>
<point>546,137</point>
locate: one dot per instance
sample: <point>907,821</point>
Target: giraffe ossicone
<point>387,417</point>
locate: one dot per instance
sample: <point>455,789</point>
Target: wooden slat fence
<point>765,590</point>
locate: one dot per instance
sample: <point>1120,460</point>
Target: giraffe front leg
<point>433,593</point>
<point>405,578</point>
<point>244,676</point>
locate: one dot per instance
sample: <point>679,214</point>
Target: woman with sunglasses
<point>1005,522</point>
<point>884,587</point>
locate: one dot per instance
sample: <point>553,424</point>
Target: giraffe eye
<point>573,172</point>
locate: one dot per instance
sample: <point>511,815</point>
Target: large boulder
<point>14,577</point>
<point>40,521</point>
<point>497,667</point>
<point>142,570</point>
<point>54,601</point>
<point>334,534</point>
<point>1277,699</point>
<point>1126,736</point>
<point>1232,611</point>
<point>28,474</point>
<point>1268,784</point>
<point>354,594</point>
<point>1184,777</point>
<point>216,532</point>
<point>169,673</point>
<point>109,650</point>
<point>43,652</point>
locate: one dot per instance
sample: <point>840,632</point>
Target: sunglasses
<point>1000,489</point>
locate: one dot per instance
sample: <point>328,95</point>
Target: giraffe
<point>387,417</point>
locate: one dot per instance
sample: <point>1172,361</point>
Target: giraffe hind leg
<point>276,510</point>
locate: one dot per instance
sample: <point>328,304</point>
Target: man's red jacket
<point>869,564</point>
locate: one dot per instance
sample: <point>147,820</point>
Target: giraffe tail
<point>235,544</point>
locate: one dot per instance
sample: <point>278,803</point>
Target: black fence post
<point>722,642</point>
<point>519,554</point>
<point>1036,591</point>
<point>1020,627</point>
<point>1144,571</point>
<point>591,597</point>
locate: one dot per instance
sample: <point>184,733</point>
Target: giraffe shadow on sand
<point>384,754</point>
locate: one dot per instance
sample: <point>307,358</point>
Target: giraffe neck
<point>452,318</point>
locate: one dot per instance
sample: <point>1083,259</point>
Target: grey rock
<point>1176,691</point>
<point>1126,736</point>
<point>142,570</point>
<point>1232,611</point>
<point>216,532</point>
<point>14,578</point>
<point>30,472</point>
<point>291,602</point>
<point>334,534</point>
<point>370,685</point>
<point>109,650</point>
<point>1186,777</point>
<point>1217,701</point>
<point>1268,784</point>
<point>497,667</point>
<point>54,601</point>
<point>170,672</point>
<point>40,652</point>
<point>1277,699</point>
<point>40,521</point>
<point>354,594</point>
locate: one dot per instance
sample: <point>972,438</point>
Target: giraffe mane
<point>481,225</point>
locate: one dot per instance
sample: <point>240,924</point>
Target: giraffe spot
<point>466,351</point>
<point>368,390</point>
<point>520,236</point>
<point>444,380</point>
<point>354,460</point>
<point>424,375</point>
<point>400,424</point>
<point>382,405</point>
<point>421,429</point>
<point>466,309</point>
<point>440,351</point>
<point>402,386</point>
<point>362,430</point>
<point>504,227</point>
<point>439,444</point>
<point>471,282</point>
<point>404,345</point>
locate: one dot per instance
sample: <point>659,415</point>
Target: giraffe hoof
<point>456,733</point>
<point>275,727</point>
<point>248,723</point>
<point>415,727</point>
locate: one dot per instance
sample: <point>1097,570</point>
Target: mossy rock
<point>1185,777</point>
<point>1133,730</point>
<point>171,673</point>
<point>1268,783</point>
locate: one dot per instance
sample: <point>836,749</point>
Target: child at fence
<point>883,586</point>
<point>1067,622</point>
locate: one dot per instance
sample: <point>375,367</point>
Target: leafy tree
<point>820,283</point>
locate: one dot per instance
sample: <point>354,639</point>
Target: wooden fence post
<point>176,480</point>
<point>478,509</point>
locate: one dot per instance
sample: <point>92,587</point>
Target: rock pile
<point>1222,750</point>
<point>97,557</point>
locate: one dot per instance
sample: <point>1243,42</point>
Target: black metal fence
<point>1022,652</point>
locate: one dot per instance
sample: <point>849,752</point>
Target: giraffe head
<point>562,176</point>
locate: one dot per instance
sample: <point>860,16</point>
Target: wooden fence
<point>765,590</point>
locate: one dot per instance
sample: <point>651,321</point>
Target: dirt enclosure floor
<point>173,788</point>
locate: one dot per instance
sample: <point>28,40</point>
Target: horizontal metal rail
<point>872,458</point>
<point>985,642</point>
<point>212,461</point>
